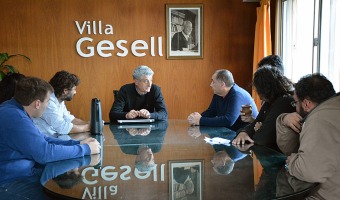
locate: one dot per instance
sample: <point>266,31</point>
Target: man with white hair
<point>140,99</point>
<point>183,40</point>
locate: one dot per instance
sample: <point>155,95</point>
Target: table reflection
<point>67,173</point>
<point>142,140</point>
<point>171,160</point>
<point>129,142</point>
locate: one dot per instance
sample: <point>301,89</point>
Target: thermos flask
<point>96,121</point>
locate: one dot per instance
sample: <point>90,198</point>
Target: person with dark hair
<point>7,85</point>
<point>56,118</point>
<point>273,61</point>
<point>274,90</point>
<point>310,136</point>
<point>140,99</point>
<point>24,149</point>
<point>225,106</point>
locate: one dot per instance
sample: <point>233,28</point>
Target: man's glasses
<point>146,81</point>
<point>293,103</point>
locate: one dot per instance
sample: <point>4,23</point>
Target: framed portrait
<point>184,31</point>
<point>186,179</point>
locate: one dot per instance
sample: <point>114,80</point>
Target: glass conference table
<point>171,160</point>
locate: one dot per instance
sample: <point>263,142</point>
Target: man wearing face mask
<point>140,99</point>
<point>310,136</point>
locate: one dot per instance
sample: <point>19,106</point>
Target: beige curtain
<point>262,42</point>
<point>278,29</point>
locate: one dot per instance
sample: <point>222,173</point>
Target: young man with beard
<point>310,136</point>
<point>57,119</point>
<point>23,149</point>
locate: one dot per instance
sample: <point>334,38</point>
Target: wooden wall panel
<point>45,31</point>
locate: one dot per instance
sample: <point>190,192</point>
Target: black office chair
<point>115,94</point>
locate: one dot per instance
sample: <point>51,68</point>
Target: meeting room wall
<point>46,31</point>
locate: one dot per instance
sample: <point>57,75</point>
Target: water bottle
<point>96,121</point>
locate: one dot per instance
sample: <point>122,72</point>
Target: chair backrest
<point>302,194</point>
<point>115,94</point>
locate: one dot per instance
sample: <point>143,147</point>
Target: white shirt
<point>55,119</point>
<point>186,36</point>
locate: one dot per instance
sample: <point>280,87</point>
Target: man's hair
<point>270,83</point>
<point>225,76</point>
<point>226,169</point>
<point>314,87</point>
<point>30,89</point>
<point>141,71</point>
<point>273,61</point>
<point>142,166</point>
<point>68,180</point>
<point>63,80</point>
<point>8,84</point>
<point>187,23</point>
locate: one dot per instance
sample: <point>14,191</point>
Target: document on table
<point>217,140</point>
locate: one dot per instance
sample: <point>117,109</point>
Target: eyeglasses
<point>146,81</point>
<point>293,103</point>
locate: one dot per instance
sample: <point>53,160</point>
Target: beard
<point>67,97</point>
<point>302,112</point>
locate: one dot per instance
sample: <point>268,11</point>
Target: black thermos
<point>96,121</point>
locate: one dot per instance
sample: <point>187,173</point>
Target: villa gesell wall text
<point>109,174</point>
<point>87,47</point>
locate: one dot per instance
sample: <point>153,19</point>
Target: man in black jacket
<point>140,99</point>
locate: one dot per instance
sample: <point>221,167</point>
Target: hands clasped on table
<point>138,113</point>
<point>139,131</point>
<point>194,118</point>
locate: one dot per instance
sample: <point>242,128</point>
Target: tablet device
<point>125,121</point>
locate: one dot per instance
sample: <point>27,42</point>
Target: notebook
<point>126,121</point>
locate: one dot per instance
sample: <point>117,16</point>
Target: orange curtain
<point>262,48</point>
<point>262,42</point>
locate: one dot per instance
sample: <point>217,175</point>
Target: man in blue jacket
<point>24,149</point>
<point>226,104</point>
